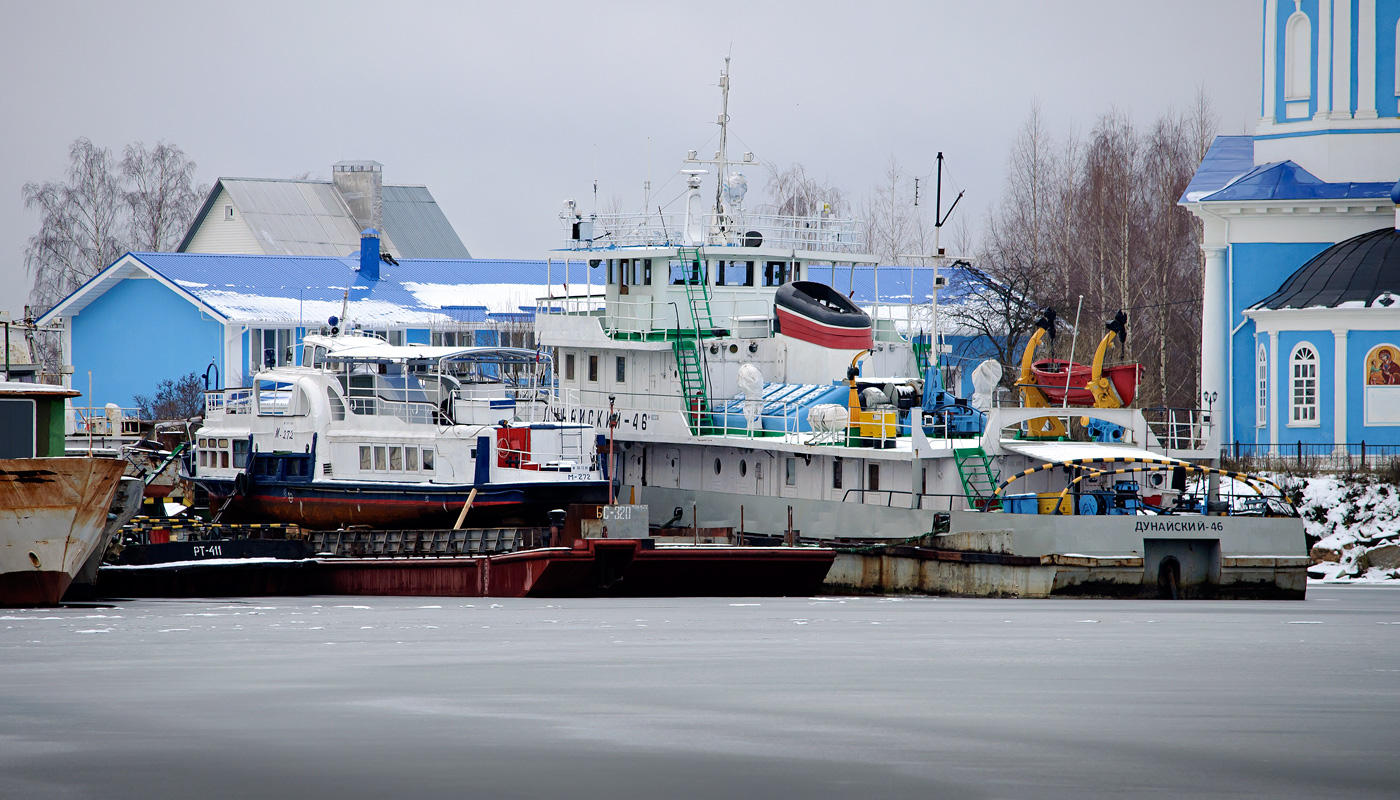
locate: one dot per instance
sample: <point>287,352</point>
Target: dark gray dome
<point>1359,269</point>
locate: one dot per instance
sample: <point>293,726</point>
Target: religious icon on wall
<point>1383,366</point>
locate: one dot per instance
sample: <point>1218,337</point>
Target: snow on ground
<point>1355,522</point>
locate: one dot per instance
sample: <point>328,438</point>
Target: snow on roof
<point>1228,173</point>
<point>310,289</point>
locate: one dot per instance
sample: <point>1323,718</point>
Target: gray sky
<point>503,109</point>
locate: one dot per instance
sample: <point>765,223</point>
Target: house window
<point>228,212</point>
<point>1261,391</point>
<point>270,347</point>
<point>1302,404</point>
<point>568,366</point>
<point>837,468</point>
<point>593,369</point>
<point>1297,58</point>
<point>790,468</point>
<point>621,369</point>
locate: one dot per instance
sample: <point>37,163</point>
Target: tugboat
<point>53,508</point>
<point>751,397</point>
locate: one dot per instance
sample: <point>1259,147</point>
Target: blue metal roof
<point>1228,174</point>
<point>289,287</point>
<point>1228,158</point>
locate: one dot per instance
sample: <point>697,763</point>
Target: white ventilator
<point>984,384</point>
<point>751,387</point>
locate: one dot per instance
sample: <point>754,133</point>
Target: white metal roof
<point>1069,451</point>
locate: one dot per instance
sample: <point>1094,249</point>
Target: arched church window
<point>1302,404</point>
<point>1261,390</point>
<point>1297,58</point>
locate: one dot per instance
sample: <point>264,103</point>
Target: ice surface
<point>873,697</point>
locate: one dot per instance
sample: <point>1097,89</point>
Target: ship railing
<point>896,498</point>
<point>411,412</point>
<point>1179,428</point>
<point>749,317</point>
<point>219,402</point>
<point>657,229</point>
<point>103,421</point>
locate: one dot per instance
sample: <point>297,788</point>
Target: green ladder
<point>978,480</point>
<point>688,345</point>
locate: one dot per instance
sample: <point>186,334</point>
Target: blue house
<point>1301,265</point>
<point>153,316</point>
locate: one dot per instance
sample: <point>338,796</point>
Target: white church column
<point>1270,58</point>
<point>1215,341</point>
<point>1339,390</point>
<point>1324,59</point>
<point>1341,62</point>
<point>1366,59</point>
<point>1275,386</point>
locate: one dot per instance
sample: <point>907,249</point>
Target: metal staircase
<point>978,480</point>
<point>690,355</point>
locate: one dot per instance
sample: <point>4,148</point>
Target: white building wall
<point>218,234</point>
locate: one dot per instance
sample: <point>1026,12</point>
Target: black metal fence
<point>1313,456</point>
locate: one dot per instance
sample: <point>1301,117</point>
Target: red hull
<point>594,568</point>
<point>1049,376</point>
<point>832,336</point>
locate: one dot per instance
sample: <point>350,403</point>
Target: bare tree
<point>162,196</point>
<point>894,226</point>
<point>792,192</point>
<point>172,400</point>
<point>81,225</point>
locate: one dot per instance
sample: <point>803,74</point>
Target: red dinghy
<point>1050,378</point>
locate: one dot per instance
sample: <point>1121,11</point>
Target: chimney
<point>369,254</point>
<point>361,184</point>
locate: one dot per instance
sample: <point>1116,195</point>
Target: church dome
<point>1355,272</point>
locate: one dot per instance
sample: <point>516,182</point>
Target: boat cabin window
<point>568,366</point>
<point>621,369</point>
<point>364,458</point>
<point>838,468</point>
<point>593,369</point>
<point>396,459</point>
<point>646,272</point>
<point>240,453</point>
<point>873,482</point>
<point>410,459</point>
<point>427,459</point>
<point>790,468</point>
<point>610,263</point>
<point>775,273</point>
<point>683,272</point>
<point>381,461</point>
<point>337,406</point>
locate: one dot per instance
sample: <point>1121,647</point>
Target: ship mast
<point>722,157</point>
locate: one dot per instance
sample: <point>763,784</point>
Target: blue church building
<point>1300,324</point>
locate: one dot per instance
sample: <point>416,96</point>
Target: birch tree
<point>161,197</point>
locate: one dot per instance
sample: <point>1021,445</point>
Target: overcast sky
<point>504,110</point>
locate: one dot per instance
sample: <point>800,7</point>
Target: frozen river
<point>703,698</point>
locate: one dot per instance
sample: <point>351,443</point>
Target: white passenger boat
<point>363,432</point>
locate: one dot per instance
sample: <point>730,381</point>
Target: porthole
<point>743,468</point>
<point>717,466</point>
<point>733,348</point>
